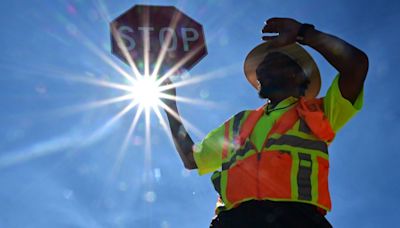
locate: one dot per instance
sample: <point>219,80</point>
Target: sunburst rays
<point>132,92</point>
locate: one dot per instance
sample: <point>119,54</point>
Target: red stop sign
<point>181,36</point>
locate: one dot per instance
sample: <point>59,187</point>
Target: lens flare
<point>143,91</point>
<point>146,92</point>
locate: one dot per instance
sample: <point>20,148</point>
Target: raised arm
<point>349,61</point>
<point>183,143</point>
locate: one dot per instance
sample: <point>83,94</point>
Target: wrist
<point>305,33</point>
<point>313,38</point>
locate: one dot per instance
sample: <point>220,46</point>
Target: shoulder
<point>337,108</point>
<point>312,104</point>
<point>239,117</point>
<point>334,96</point>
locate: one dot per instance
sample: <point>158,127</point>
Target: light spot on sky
<point>157,174</point>
<point>72,29</point>
<point>150,196</point>
<point>122,186</point>
<point>137,140</point>
<point>14,134</point>
<point>93,15</point>
<point>185,173</point>
<point>68,194</point>
<point>71,9</point>
<point>204,93</point>
<point>41,89</point>
<point>223,38</point>
<point>165,224</point>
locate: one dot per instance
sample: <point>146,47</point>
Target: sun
<point>146,92</point>
<point>147,89</point>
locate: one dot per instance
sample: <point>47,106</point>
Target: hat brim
<point>295,52</point>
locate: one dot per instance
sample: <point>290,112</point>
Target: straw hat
<point>295,52</point>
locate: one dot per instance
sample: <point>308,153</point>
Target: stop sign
<point>148,29</point>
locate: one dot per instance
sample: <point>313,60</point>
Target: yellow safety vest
<point>293,164</point>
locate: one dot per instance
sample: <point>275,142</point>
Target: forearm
<point>336,51</point>
<point>349,61</point>
<point>183,143</point>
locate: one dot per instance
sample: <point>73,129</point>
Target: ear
<point>258,85</point>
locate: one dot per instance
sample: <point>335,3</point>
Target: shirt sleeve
<point>208,153</point>
<point>338,109</point>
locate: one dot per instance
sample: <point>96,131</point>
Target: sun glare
<point>145,86</point>
<point>146,92</point>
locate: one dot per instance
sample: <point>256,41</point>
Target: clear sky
<point>58,154</point>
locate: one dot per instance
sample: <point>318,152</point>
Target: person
<point>270,165</point>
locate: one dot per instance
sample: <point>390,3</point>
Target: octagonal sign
<point>163,32</point>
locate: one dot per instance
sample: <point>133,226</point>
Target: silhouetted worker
<point>271,164</point>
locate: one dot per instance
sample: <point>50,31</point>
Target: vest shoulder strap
<point>284,123</point>
<point>311,110</point>
<point>249,125</point>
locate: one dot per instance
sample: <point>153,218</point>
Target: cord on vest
<point>269,111</point>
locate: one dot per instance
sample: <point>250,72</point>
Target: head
<point>280,77</point>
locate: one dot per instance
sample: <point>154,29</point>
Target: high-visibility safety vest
<point>292,165</point>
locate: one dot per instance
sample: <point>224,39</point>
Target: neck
<point>275,100</point>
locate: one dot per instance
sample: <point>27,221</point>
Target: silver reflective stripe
<point>237,151</point>
<point>236,122</point>
<point>240,152</point>
<point>295,141</point>
<point>304,176</point>
<point>303,127</point>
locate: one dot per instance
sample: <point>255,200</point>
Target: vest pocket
<point>242,180</point>
<point>274,174</point>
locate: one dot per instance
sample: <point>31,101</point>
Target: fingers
<point>269,28</point>
<point>268,38</point>
<point>276,41</point>
<point>274,20</point>
<point>272,25</point>
<point>285,30</point>
<point>271,40</point>
<point>277,24</point>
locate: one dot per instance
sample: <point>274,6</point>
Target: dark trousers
<point>265,214</point>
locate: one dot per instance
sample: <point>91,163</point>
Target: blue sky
<point>56,164</point>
